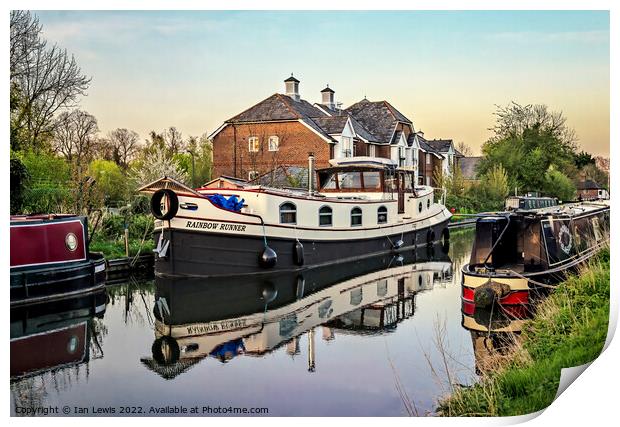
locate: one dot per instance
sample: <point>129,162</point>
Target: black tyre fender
<point>445,240</point>
<point>430,236</point>
<point>166,350</point>
<point>173,204</point>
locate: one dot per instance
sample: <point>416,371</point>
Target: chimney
<point>327,96</point>
<point>420,133</point>
<point>292,87</point>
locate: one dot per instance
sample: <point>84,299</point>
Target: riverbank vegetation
<point>62,163</point>
<point>569,329</point>
<point>532,149</point>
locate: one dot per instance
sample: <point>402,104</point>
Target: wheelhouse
<point>382,179</point>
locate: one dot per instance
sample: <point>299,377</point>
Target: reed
<point>569,329</point>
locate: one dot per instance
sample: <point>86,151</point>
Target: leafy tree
<point>48,187</point>
<point>583,159</point>
<point>110,182</point>
<point>556,184</point>
<point>495,182</point>
<point>19,177</point>
<point>527,141</point>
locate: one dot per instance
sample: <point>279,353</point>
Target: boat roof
<point>378,162</point>
<point>567,209</point>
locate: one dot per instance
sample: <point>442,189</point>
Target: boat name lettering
<point>216,326</point>
<point>216,226</point>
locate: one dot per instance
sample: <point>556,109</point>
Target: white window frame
<point>253,142</point>
<point>347,146</point>
<point>372,150</point>
<point>274,143</point>
<point>252,175</point>
<point>428,158</point>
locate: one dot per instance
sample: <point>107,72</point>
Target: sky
<point>446,71</point>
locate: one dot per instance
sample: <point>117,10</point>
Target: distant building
<point>283,129</point>
<point>469,166</point>
<point>590,190</point>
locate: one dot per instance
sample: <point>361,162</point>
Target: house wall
<point>296,141</point>
<point>426,171</point>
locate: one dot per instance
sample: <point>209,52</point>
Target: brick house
<point>284,128</point>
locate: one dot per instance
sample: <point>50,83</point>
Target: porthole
<point>420,207</point>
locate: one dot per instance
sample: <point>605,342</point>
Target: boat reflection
<point>53,336</point>
<point>201,318</point>
<point>494,331</point>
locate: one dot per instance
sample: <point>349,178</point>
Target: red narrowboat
<point>50,258</point>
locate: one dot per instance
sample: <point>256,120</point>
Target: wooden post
<point>126,241</point>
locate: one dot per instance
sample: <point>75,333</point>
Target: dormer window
<point>274,143</point>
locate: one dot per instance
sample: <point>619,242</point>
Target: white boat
<point>362,207</point>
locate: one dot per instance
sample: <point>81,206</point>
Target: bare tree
<point>464,149</point>
<point>173,140</point>
<point>43,80</point>
<point>124,145</point>
<point>25,31</point>
<point>75,136</point>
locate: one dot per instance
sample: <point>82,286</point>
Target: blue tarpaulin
<point>231,204</point>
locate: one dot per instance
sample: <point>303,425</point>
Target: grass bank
<point>109,235</point>
<point>569,329</point>
<point>113,249</point>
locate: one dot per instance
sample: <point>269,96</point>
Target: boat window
<point>428,204</point>
<point>382,215</point>
<point>328,181</point>
<point>356,217</point>
<point>372,180</point>
<point>288,213</point>
<point>350,180</point>
<point>420,207</point>
<point>325,216</point>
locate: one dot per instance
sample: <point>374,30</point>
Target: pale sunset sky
<point>446,71</point>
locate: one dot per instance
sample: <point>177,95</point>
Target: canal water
<point>381,337</point>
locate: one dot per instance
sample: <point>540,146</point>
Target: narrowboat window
<point>328,181</point>
<point>288,213</point>
<point>350,180</point>
<point>420,207</point>
<point>325,216</point>
<point>356,217</point>
<point>428,204</point>
<point>382,215</point>
<point>372,180</point>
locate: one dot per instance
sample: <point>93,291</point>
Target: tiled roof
<point>311,123</point>
<point>468,166</point>
<point>380,118</point>
<point>588,184</point>
<point>362,132</point>
<point>440,145</point>
<point>424,145</point>
<point>331,125</point>
<point>277,107</point>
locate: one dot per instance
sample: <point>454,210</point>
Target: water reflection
<point>273,341</point>
<point>494,333</point>
<point>223,319</point>
<point>51,342</point>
